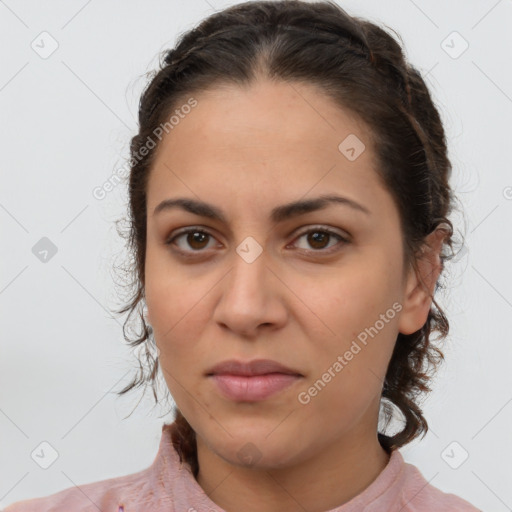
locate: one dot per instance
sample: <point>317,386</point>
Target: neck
<point>333,476</point>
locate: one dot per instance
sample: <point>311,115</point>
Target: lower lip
<point>254,388</point>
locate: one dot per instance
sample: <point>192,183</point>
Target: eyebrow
<point>278,214</point>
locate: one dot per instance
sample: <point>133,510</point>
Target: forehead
<point>270,142</point>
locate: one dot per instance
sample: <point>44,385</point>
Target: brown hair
<point>362,68</point>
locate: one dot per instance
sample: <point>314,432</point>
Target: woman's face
<point>258,286</point>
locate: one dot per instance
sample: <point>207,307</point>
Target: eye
<point>317,238</point>
<point>194,237</point>
<point>198,239</point>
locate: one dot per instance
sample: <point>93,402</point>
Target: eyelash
<point>317,229</point>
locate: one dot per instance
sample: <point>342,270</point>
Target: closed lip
<point>250,368</point>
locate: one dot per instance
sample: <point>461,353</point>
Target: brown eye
<point>319,239</point>
<point>195,239</point>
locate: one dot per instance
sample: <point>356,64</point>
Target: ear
<point>420,284</point>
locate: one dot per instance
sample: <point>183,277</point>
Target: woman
<point>289,202</point>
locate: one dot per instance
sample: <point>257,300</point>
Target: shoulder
<point>150,489</point>
<point>420,496</point>
<point>105,495</point>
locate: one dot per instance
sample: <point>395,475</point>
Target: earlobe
<point>420,284</point>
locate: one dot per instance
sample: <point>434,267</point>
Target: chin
<point>258,451</point>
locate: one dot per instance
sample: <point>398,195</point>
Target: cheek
<point>170,292</point>
<point>177,318</point>
<point>349,300</point>
<point>360,327</point>
<point>339,392</point>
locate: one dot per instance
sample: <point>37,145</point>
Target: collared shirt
<point>169,486</point>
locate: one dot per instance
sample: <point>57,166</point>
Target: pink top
<point>169,486</point>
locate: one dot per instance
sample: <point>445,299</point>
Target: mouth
<point>252,381</point>
<point>254,388</point>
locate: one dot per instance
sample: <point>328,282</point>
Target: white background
<point>65,127</point>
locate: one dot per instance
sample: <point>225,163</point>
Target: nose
<point>252,297</point>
